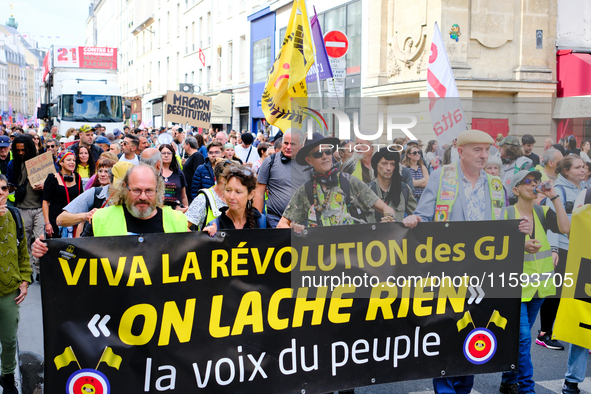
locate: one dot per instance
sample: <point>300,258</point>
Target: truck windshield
<point>95,108</point>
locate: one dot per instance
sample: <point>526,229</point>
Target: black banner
<point>261,310</point>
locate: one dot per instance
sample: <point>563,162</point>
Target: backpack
<point>588,196</point>
<point>568,205</point>
<point>345,185</point>
<point>18,219</point>
<point>98,202</point>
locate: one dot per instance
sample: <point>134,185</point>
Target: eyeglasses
<point>50,146</point>
<point>124,143</point>
<point>529,181</point>
<point>138,192</point>
<point>415,153</point>
<point>166,153</point>
<point>320,153</point>
<point>241,171</point>
<point>4,188</point>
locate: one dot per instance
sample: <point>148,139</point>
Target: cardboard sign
<point>188,108</point>
<point>39,167</point>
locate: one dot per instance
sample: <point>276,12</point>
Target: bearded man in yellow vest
<point>459,192</point>
<point>137,209</point>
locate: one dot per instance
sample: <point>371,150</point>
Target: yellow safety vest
<point>110,221</point>
<point>449,188</point>
<point>539,263</point>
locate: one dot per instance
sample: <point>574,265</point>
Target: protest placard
<point>188,108</point>
<point>39,167</point>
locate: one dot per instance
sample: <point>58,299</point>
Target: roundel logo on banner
<point>480,346</point>
<point>88,381</point>
<point>337,43</point>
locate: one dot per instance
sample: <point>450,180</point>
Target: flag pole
<point>315,57</point>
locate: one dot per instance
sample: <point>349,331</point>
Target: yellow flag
<point>65,358</point>
<point>112,360</point>
<point>286,90</point>
<point>498,319</point>
<point>573,319</point>
<point>464,321</point>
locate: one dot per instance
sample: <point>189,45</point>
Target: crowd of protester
<point>171,180</point>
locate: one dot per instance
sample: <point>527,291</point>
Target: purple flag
<point>322,62</point>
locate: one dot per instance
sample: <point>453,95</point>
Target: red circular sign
<point>337,43</point>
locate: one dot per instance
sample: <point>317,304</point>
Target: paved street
<point>549,365</point>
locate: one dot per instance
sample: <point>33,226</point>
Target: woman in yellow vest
<point>538,268</point>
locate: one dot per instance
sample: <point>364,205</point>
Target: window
<point>243,55</point>
<point>208,40</point>
<point>208,77</point>
<point>219,63</point>
<point>261,59</point>
<point>200,32</point>
<point>186,39</point>
<point>354,35</point>
<point>230,60</point>
<point>193,37</point>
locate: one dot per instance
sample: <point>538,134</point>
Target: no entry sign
<point>337,43</point>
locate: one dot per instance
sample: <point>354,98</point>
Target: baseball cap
<point>96,126</point>
<point>520,176</point>
<point>117,132</point>
<point>85,128</point>
<point>102,140</point>
<point>510,140</point>
<point>4,141</point>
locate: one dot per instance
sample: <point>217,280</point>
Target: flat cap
<point>474,137</point>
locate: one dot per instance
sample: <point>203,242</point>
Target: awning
<point>221,109</point>
<point>572,107</point>
<point>574,73</point>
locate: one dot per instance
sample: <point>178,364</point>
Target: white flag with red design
<point>445,107</point>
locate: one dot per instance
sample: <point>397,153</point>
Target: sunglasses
<point>50,146</point>
<point>320,153</point>
<point>415,153</point>
<point>529,181</point>
<point>4,188</point>
<point>241,171</point>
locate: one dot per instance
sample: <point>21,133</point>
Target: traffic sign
<point>337,43</point>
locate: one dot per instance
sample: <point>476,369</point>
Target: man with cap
<point>460,192</point>
<point>537,262</point>
<point>513,162</point>
<point>528,142</point>
<point>103,143</point>
<point>86,135</point>
<point>280,176</point>
<point>388,184</point>
<point>331,197</point>
<point>4,153</point>
<point>98,128</point>
<point>245,151</point>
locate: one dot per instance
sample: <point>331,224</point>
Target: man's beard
<point>135,212</point>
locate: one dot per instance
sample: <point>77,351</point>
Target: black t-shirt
<point>55,195</point>
<point>225,223</point>
<point>136,226</point>
<point>173,188</point>
<point>534,158</point>
<point>551,223</point>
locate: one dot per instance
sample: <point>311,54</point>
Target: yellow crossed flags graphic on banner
<point>65,358</point>
<point>286,90</point>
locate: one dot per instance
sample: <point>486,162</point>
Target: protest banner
<point>244,311</point>
<point>573,319</point>
<point>39,167</point>
<point>188,108</point>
